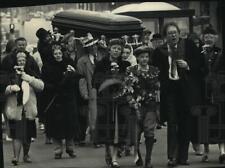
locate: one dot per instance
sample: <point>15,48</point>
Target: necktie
<point>173,61</point>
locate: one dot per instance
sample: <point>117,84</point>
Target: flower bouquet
<point>140,88</point>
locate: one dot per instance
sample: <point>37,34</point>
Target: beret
<point>141,49</point>
<point>115,41</point>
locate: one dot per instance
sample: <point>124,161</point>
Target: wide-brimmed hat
<point>147,31</point>
<point>42,33</point>
<point>156,36</point>
<point>88,40</point>
<point>141,49</point>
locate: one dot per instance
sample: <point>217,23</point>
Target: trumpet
<point>125,38</point>
<point>135,40</point>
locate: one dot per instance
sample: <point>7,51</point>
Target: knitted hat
<point>209,30</point>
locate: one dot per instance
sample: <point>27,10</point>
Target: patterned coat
<point>111,123</point>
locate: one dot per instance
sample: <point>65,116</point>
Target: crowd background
<point>70,79</point>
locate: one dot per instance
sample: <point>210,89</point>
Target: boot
<point>149,141</point>
<point>58,149</point>
<point>26,157</point>
<point>108,156</point>
<point>69,148</point>
<point>139,161</point>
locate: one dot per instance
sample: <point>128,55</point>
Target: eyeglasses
<point>172,32</point>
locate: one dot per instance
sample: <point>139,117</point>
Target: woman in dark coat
<point>111,123</point>
<point>61,91</point>
<point>213,66</point>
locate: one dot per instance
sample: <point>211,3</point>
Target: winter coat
<point>13,110</point>
<point>112,115</point>
<point>59,99</point>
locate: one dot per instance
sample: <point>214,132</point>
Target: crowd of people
<point>112,90</point>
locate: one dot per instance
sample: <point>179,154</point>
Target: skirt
<point>23,130</point>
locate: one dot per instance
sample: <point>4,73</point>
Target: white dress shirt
<point>92,58</point>
<point>176,76</point>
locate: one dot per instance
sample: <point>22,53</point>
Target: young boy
<point>144,99</point>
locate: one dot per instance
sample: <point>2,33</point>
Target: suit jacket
<point>86,68</point>
<point>189,52</point>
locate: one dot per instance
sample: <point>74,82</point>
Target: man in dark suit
<point>176,60</point>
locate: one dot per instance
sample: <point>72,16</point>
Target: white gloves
<point>14,88</point>
<point>70,68</point>
<point>182,64</point>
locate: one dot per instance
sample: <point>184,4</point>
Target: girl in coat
<point>143,80</point>
<point>111,122</point>
<point>21,106</point>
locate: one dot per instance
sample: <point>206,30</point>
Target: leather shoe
<point>15,161</point>
<point>183,162</point>
<point>222,158</point>
<point>27,159</point>
<point>58,156</point>
<point>139,162</point>
<point>108,160</point>
<point>205,158</point>
<point>71,153</point>
<point>115,164</point>
<point>171,163</point>
<point>148,164</point>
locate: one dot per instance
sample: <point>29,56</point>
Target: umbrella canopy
<point>145,6</point>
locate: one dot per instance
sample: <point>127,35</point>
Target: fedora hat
<point>88,40</point>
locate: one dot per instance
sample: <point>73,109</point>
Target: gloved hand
<point>14,88</point>
<point>70,68</point>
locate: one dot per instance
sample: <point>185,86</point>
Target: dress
<point>112,114</point>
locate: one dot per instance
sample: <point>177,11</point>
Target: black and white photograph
<point>112,84</point>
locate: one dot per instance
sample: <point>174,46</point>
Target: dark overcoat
<point>60,95</point>
<point>214,73</point>
<point>190,80</point>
